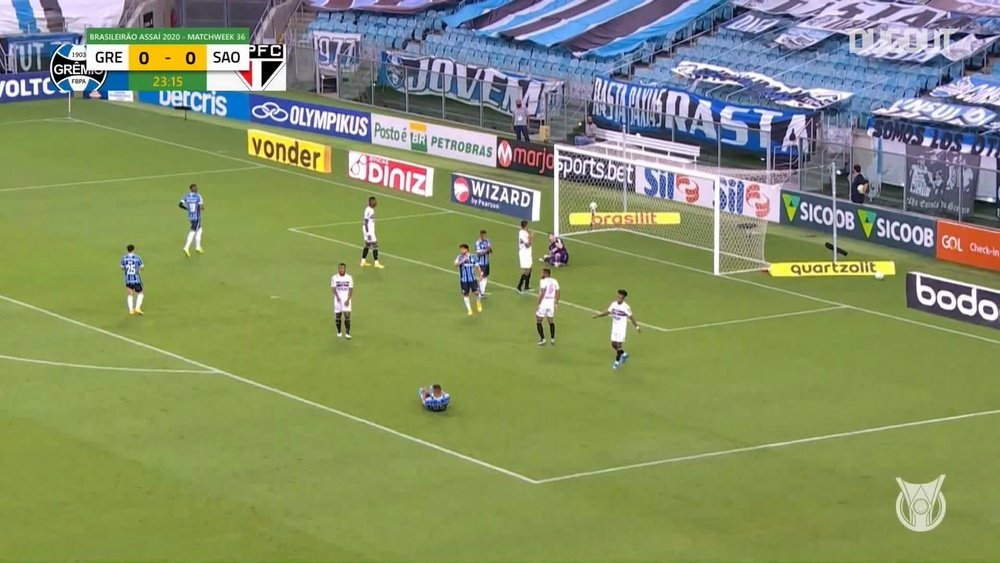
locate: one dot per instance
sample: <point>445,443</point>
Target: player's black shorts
<point>469,287</point>
<point>486,270</point>
<point>196,224</point>
<point>136,287</point>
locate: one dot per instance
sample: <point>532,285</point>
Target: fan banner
<point>765,86</point>
<point>382,6</point>
<point>667,112</point>
<point>751,23</point>
<point>844,16</point>
<point>894,45</point>
<point>976,90</point>
<point>58,16</point>
<point>985,144</point>
<point>798,38</point>
<point>941,113</point>
<point>469,84</point>
<point>940,183</point>
<point>335,51</point>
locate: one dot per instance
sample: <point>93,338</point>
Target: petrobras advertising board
<point>27,87</point>
<point>737,196</point>
<point>315,118</point>
<point>506,199</point>
<point>861,222</point>
<point>433,139</point>
<point>233,105</point>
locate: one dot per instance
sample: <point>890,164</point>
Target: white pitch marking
<point>756,319</point>
<point>274,390</point>
<point>40,120</point>
<point>484,218</point>
<point>772,445</point>
<point>132,179</point>
<point>380,220</point>
<point>103,368</point>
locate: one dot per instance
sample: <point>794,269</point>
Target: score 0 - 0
<point>182,58</point>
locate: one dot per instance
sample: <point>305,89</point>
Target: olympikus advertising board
<point>469,84</point>
<point>738,197</point>
<point>668,112</point>
<point>27,87</point>
<point>878,225</point>
<point>314,118</point>
<point>771,89</point>
<point>985,144</point>
<point>438,140</point>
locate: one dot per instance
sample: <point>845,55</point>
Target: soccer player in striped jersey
<point>435,400</point>
<point>548,301</point>
<point>484,251</point>
<point>132,265</point>
<point>368,232</point>
<point>342,285</point>
<point>621,315</point>
<point>193,203</point>
<point>524,239</point>
<point>468,266</point>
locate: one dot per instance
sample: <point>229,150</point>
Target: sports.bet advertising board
<point>437,140</point>
<point>873,224</point>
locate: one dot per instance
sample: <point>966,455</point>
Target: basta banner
<point>873,224</point>
<point>531,158</point>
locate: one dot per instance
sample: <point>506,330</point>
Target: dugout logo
<point>531,158</point>
<point>69,73</point>
<point>267,68</point>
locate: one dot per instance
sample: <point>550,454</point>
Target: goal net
<point>610,187</point>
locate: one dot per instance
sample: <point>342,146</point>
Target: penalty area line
<point>274,390</point>
<point>380,220</point>
<point>100,368</point>
<point>130,179</point>
<point>770,446</point>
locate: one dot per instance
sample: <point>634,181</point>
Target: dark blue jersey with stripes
<point>467,268</point>
<point>437,404</point>
<point>483,249</point>
<point>131,263</point>
<point>192,203</point>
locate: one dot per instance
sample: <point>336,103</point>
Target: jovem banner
<point>956,300</point>
<point>532,158</point>
<point>965,142</point>
<point>873,224</point>
<point>667,112</point>
<point>469,84</point>
<point>939,182</point>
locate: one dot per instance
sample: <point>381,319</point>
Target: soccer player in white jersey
<point>368,231</point>
<point>621,315</point>
<point>548,301</point>
<point>524,239</point>
<point>342,285</point>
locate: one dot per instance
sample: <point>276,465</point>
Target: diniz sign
<point>899,40</point>
<point>953,299</point>
<point>393,174</point>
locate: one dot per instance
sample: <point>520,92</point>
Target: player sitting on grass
<point>435,400</point>
<point>558,256</point>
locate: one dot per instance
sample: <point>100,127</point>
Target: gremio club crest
<point>69,73</point>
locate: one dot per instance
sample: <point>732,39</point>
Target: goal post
<point>608,187</point>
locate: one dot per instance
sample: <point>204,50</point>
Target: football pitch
<point>757,418</point>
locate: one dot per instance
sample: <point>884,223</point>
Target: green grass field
<point>758,418</point>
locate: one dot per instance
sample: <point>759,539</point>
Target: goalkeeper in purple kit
<point>435,400</point>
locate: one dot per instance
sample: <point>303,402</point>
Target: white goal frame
<point>633,158</point>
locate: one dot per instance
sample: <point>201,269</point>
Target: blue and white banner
<point>470,84</point>
<point>668,112</point>
<point>314,118</point>
<point>27,87</point>
<point>752,23</point>
<point>976,90</point>
<point>336,51</point>
<point>765,86</point>
<point>844,16</point>
<point>56,16</point>
<point>800,37</point>
<point>941,113</point>
<point>986,144</point>
<point>513,201</point>
<point>233,105</point>
<point>32,53</point>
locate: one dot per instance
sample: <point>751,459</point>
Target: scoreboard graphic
<point>144,60</point>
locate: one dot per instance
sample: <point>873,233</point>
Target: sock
<point>129,301</point>
<point>552,331</point>
<point>527,281</point>
<point>138,301</point>
<point>521,282</point>
<point>618,354</point>
<point>364,253</point>
<point>347,325</point>
<point>338,323</point>
<point>467,305</point>
<point>482,286</point>
<point>375,254</point>
<point>541,331</point>
<point>187,244</point>
<point>197,238</point>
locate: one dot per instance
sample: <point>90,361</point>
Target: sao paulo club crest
<point>68,70</point>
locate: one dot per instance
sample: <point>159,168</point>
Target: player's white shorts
<point>546,311</point>
<point>340,307</point>
<point>618,333</point>
<point>525,257</point>
<point>371,241</point>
